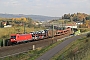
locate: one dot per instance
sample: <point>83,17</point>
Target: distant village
<point>17,21</point>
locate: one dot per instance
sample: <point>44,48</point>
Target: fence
<point>4,42</point>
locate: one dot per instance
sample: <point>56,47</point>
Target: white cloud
<point>45,7</point>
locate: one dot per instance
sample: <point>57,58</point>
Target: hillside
<point>34,17</point>
<point>77,17</point>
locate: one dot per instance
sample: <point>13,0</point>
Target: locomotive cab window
<point>13,37</point>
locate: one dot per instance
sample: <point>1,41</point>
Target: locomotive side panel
<point>24,37</point>
<point>20,37</point>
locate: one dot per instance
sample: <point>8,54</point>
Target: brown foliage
<point>76,17</point>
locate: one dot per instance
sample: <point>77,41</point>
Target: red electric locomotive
<point>15,38</point>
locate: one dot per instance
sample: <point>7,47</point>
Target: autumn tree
<point>88,17</point>
<point>76,17</point>
<point>30,22</point>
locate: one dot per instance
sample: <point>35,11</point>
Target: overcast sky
<point>55,8</point>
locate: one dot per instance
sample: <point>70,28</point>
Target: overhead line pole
<point>52,31</point>
<point>24,28</point>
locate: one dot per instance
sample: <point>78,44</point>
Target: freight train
<point>42,34</point>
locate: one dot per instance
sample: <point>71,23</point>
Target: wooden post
<point>52,33</point>
<point>33,47</point>
<point>24,28</point>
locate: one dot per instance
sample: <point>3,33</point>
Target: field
<point>5,32</point>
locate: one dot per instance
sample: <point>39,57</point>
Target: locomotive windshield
<point>13,37</point>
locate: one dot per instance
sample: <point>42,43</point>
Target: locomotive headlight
<point>14,39</point>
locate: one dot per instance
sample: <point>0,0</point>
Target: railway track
<point>12,50</point>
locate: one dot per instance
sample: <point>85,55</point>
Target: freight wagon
<point>59,32</point>
<point>51,33</point>
<point>15,38</point>
<point>63,32</point>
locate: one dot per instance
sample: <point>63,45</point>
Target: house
<point>79,23</point>
<point>71,25</point>
<point>7,26</point>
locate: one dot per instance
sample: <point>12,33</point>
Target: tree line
<point>16,22</point>
<point>76,17</point>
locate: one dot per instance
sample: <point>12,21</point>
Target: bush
<point>88,34</point>
<point>1,43</point>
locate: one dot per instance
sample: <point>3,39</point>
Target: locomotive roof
<point>19,34</point>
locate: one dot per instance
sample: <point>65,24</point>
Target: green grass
<point>77,45</point>
<point>87,57</point>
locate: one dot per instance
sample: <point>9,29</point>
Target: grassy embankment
<point>77,50</point>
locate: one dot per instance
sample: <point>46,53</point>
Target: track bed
<point>11,50</point>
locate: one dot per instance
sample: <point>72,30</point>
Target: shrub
<point>88,34</point>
